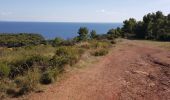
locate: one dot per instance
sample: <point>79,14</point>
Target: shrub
<point>22,39</point>
<point>22,66</point>
<point>4,70</point>
<point>57,42</point>
<point>113,42</point>
<point>100,52</point>
<point>3,86</point>
<point>113,33</point>
<point>66,55</point>
<point>164,37</point>
<point>59,62</point>
<point>83,34</point>
<point>38,60</point>
<point>49,76</point>
<point>46,78</point>
<point>6,87</point>
<point>98,44</point>
<point>29,82</point>
<point>93,34</point>
<point>69,42</point>
<point>68,50</point>
<point>84,45</point>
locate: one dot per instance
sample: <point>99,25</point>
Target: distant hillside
<point>21,39</point>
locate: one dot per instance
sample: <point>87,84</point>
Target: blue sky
<point>79,10</point>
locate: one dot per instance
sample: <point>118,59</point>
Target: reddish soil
<point>132,71</point>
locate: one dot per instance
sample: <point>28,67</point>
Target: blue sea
<point>51,30</point>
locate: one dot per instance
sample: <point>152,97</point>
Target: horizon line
<point>57,21</point>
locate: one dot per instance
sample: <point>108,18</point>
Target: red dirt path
<point>132,71</point>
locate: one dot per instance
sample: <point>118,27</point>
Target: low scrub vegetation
<point>66,55</point>
<point>26,71</point>
<point>18,40</point>
<point>100,44</point>
<point>28,82</point>
<point>49,76</point>
<point>27,61</point>
<point>4,70</point>
<point>100,52</point>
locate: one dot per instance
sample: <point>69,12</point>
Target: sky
<point>79,10</point>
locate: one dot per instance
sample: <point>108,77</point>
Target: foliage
<point>6,87</point>
<point>12,55</point>
<point>57,42</point>
<point>99,44</point>
<point>22,39</point>
<point>114,33</point>
<point>30,63</point>
<point>139,30</point>
<point>69,42</point>
<point>22,66</point>
<point>129,26</point>
<point>29,82</point>
<point>66,55</point>
<point>113,42</point>
<point>100,52</point>
<point>155,26</point>
<point>93,34</point>
<point>83,45</point>
<point>49,76</point>
<point>102,37</point>
<point>4,70</point>
<point>83,33</point>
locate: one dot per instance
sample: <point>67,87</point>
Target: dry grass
<point>165,45</point>
<point>16,54</point>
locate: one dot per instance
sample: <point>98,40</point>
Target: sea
<point>50,30</point>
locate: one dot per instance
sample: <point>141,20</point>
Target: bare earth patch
<point>131,71</point>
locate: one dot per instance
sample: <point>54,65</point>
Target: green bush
<point>57,42</point>
<point>21,39</point>
<point>99,44</point>
<point>113,42</point>
<point>38,60</point>
<point>83,34</point>
<point>114,33</point>
<point>22,66</point>
<point>84,45</point>
<point>68,50</point>
<point>59,62</point>
<point>164,37</point>
<point>4,70</point>
<point>66,55</point>
<point>7,87</point>
<point>100,52</point>
<point>69,42</point>
<point>49,76</point>
<point>29,82</point>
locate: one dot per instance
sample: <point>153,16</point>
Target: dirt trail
<point>132,71</point>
